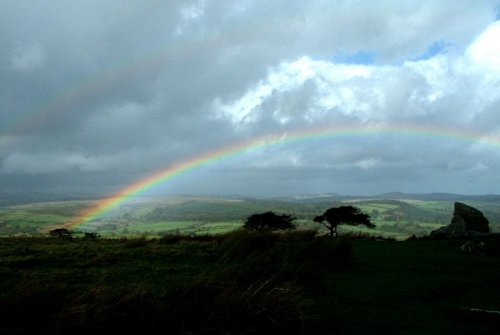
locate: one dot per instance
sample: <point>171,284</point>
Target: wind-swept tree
<point>269,221</point>
<point>348,215</point>
<point>60,232</point>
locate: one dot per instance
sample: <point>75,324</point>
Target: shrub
<point>91,236</point>
<point>269,221</point>
<point>135,242</point>
<point>61,233</point>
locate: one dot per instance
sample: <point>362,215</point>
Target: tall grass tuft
<point>199,306</point>
<point>297,257</point>
<point>245,244</point>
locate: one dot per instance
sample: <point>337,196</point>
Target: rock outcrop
<point>474,247</point>
<point>466,221</point>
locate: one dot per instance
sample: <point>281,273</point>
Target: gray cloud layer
<point>97,94</point>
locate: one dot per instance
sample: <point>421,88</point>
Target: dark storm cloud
<point>112,90</point>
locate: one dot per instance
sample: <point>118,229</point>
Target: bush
<point>135,242</point>
<point>269,221</point>
<point>61,233</point>
<point>91,236</point>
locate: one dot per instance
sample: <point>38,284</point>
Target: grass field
<point>205,215</point>
<point>246,284</point>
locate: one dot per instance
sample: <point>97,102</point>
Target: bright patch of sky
<point>434,49</point>
<point>360,57</point>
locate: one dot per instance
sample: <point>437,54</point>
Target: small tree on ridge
<point>269,221</point>
<point>60,232</point>
<point>349,215</point>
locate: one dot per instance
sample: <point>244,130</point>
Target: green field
<point>153,217</point>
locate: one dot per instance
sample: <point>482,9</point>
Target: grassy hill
<point>243,283</point>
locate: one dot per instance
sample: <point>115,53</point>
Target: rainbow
<point>72,95</point>
<point>164,175</point>
<point>147,61</point>
<point>125,70</point>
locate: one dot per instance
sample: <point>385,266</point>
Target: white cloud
<point>331,82</point>
<point>28,56</point>
<point>193,11</point>
<point>484,53</point>
<point>287,77</point>
<point>368,163</point>
<point>57,162</point>
<point>424,89</point>
<point>190,14</point>
<point>133,88</point>
<point>43,163</point>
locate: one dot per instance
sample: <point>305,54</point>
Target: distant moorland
<point>395,215</point>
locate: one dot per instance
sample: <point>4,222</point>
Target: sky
<point>97,95</point>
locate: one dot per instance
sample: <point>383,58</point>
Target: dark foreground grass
<point>247,283</point>
<point>415,287</point>
<point>239,283</point>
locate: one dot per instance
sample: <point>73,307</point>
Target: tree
<point>91,235</point>
<point>269,221</point>
<point>60,232</point>
<point>343,215</point>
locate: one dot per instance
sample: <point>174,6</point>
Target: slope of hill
<point>244,283</point>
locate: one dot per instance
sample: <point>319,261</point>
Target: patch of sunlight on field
<point>163,226</point>
<point>124,228</point>
<point>431,225</point>
<point>218,227</point>
<point>384,222</point>
<point>433,206</point>
<point>344,229</point>
<point>381,207</point>
<point>26,219</point>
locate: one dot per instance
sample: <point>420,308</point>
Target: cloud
<point>483,53</point>
<point>417,90</point>
<point>116,90</point>
<point>331,90</point>
<point>21,163</point>
<point>29,56</point>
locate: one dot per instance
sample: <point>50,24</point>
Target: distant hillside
<point>390,196</point>
<point>23,198</point>
<point>438,197</point>
<point>400,216</point>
